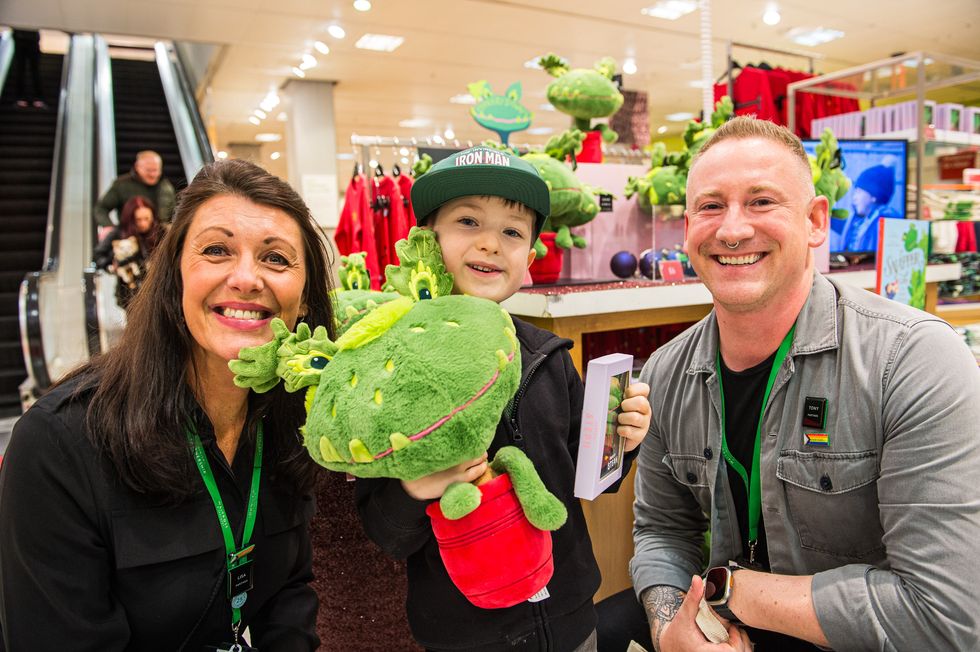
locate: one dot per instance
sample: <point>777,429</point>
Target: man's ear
<point>687,223</point>
<point>817,221</point>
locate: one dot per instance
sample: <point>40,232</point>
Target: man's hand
<point>634,420</point>
<point>432,486</point>
<point>673,626</point>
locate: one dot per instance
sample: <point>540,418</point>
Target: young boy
<point>487,208</point>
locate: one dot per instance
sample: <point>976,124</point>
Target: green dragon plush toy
<point>355,298</point>
<point>415,386</point>
<point>829,179</point>
<point>503,114</point>
<point>584,93</point>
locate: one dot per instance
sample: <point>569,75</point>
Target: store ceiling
<point>451,43</point>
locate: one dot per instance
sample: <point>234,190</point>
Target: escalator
<point>27,141</point>
<point>142,118</point>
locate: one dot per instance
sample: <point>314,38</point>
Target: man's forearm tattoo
<point>662,604</point>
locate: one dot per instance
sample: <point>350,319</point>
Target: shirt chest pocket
<point>692,472</point>
<point>833,501</point>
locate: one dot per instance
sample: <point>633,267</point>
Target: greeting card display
<point>600,449</point>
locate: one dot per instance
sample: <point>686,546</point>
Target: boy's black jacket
<point>545,424</point>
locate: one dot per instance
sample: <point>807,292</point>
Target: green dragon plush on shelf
<point>827,167</point>
<point>584,93</point>
<point>355,298</point>
<point>417,385</point>
<point>666,182</point>
<point>503,114</point>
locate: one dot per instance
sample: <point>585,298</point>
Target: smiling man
<point>824,435</point>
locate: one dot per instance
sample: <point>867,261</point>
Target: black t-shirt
<point>744,391</point>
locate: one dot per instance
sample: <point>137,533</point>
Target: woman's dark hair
<point>127,224</point>
<point>141,398</point>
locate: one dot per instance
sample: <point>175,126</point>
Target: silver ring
<point>732,246</point>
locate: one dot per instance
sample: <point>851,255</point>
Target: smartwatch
<point>722,579</point>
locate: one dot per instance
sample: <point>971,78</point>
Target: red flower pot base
<point>548,268</point>
<point>591,148</point>
<point>493,555</point>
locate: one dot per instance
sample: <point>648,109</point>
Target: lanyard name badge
<point>753,479</point>
<point>237,558</point>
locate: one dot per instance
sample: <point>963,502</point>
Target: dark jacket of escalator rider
<point>126,249</point>
<point>144,180</point>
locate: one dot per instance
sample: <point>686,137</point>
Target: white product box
<point>949,117</point>
<point>971,120</point>
<point>600,449</point>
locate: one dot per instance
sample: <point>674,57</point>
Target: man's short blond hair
<point>744,126</point>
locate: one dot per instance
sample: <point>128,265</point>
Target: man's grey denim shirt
<point>886,517</point>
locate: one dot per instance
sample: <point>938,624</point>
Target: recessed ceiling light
<point>222,155</point>
<point>670,9</point>
<point>629,66</point>
<point>533,63</point>
<point>309,61</point>
<point>698,83</point>
<point>680,116</point>
<point>546,107</point>
<point>462,98</point>
<point>345,156</point>
<point>322,47</point>
<point>269,102</point>
<point>260,114</point>
<point>771,15</point>
<point>255,121</point>
<point>268,137</point>
<point>298,72</point>
<point>275,156</point>
<point>404,160</point>
<point>415,123</point>
<point>914,63</point>
<point>362,5</point>
<point>540,131</point>
<point>403,151</point>
<point>662,129</point>
<point>449,133</point>
<point>379,42</point>
<point>813,36</point>
<point>282,117</point>
<point>336,31</point>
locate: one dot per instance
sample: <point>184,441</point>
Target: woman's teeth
<point>231,313</point>
<point>739,260</point>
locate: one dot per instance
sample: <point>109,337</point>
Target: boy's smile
<point>486,245</point>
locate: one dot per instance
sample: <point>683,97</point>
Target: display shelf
<point>913,74</point>
<point>937,136</point>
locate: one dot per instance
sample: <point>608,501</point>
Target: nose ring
<point>732,246</point>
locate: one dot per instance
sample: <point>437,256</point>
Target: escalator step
<point>24,223</point>
<point>23,164</point>
<point>10,302</point>
<point>10,379</point>
<point>25,191</point>
<point>32,240</point>
<point>21,260</point>
<point>11,354</point>
<point>22,176</point>
<point>10,328</point>
<point>10,282</point>
<point>22,206</point>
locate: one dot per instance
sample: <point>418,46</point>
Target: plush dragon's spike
<point>421,267</point>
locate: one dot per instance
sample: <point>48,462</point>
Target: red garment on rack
<point>405,188</point>
<point>752,94</point>
<point>355,230</point>
<point>389,217</point>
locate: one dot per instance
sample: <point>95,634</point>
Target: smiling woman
<point>146,492</point>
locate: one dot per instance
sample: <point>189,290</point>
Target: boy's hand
<point>634,420</point>
<point>432,486</point>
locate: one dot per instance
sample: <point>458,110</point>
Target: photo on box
<point>600,449</point>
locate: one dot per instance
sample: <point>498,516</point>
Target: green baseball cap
<point>481,171</point>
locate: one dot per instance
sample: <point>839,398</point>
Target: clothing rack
<point>809,56</point>
<point>365,143</point>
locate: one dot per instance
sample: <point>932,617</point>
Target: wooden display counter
<point>572,310</point>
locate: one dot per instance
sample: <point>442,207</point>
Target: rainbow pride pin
<point>816,439</point>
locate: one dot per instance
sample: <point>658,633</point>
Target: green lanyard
<point>753,483</point>
<point>237,559</point>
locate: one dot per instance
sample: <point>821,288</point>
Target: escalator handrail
<point>6,54</point>
<point>191,155</point>
<point>52,241</point>
<point>190,99</point>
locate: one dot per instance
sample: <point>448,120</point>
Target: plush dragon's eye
<point>318,362</point>
<point>424,294</point>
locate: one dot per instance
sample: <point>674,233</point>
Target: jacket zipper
<point>520,394</point>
